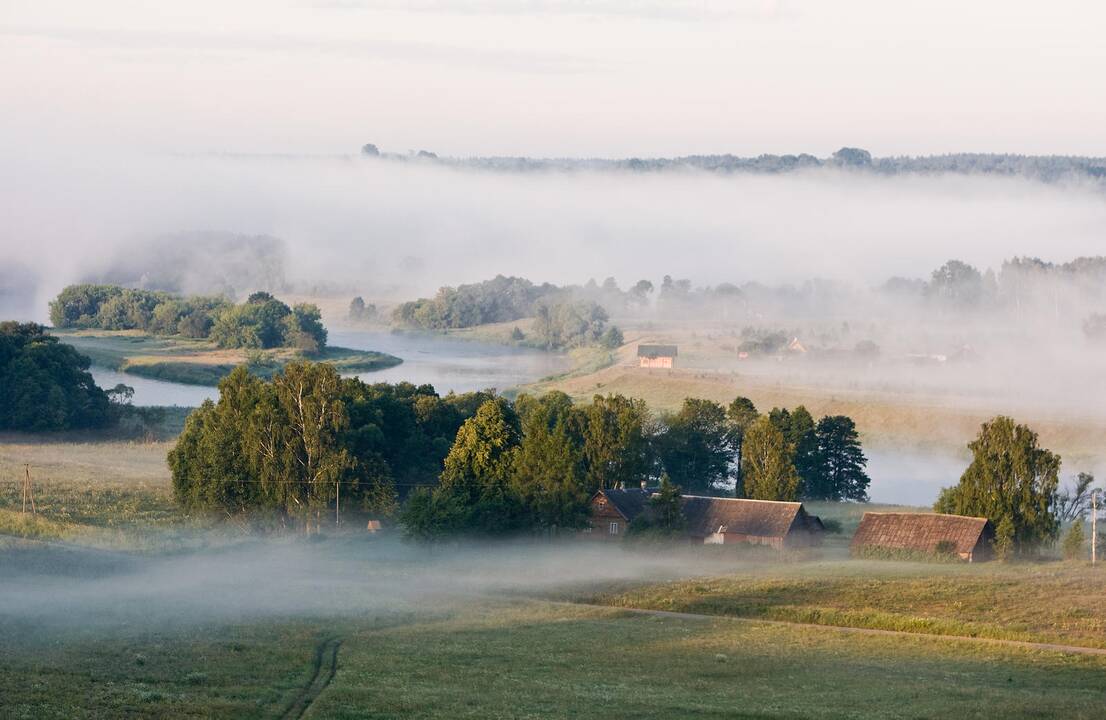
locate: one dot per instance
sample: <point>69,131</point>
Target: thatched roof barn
<point>970,538</point>
<point>712,520</point>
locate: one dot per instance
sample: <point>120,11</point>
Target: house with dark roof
<point>970,538</point>
<point>657,356</point>
<point>711,520</point>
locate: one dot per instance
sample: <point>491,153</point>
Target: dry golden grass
<point>883,418</point>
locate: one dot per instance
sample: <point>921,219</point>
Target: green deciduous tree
<point>740,414</point>
<point>697,446</point>
<point>549,467</point>
<point>1012,481</point>
<point>665,516</point>
<point>767,469</point>
<point>616,442</point>
<point>478,469</point>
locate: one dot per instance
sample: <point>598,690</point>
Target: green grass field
<point>528,659</point>
<point>444,650</point>
<point>199,362</point>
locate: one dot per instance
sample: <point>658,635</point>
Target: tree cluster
<point>570,324</point>
<point>785,455</point>
<point>294,444</point>
<point>361,312</point>
<point>535,463</point>
<point>501,299</point>
<point>44,384</point>
<point>261,322</point>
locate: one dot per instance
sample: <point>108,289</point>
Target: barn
<point>656,356</point>
<point>726,521</point>
<point>711,520</point>
<point>970,538</point>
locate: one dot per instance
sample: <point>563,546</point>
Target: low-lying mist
<point>395,229</point>
<point>56,586</point>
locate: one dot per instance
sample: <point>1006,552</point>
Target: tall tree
<point>839,474</point>
<point>697,446</point>
<point>478,469</point>
<point>296,438</point>
<point>1012,481</point>
<point>616,442</point>
<point>549,467</point>
<point>740,414</point>
<point>767,469</point>
<point>803,439</point>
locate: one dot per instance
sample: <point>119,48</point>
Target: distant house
<point>656,356</point>
<point>711,520</point>
<point>969,538</point>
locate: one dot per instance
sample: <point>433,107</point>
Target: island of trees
<point>261,322</point>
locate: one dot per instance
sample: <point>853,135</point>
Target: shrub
<point>1074,541</point>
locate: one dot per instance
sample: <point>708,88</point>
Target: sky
<point>608,78</point>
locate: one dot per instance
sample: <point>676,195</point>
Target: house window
<point>614,528</point>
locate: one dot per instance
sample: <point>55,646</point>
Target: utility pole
<point>1094,526</point>
<point>337,501</point>
<point>28,492</point>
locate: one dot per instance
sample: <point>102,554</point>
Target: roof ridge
<point>935,514</point>
<point>773,502</point>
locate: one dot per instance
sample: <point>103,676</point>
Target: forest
<point>1046,168</point>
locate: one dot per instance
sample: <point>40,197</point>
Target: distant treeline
<point>563,318</point>
<point>294,444</point>
<point>1047,168</point>
<point>261,322</point>
<point>1022,287</point>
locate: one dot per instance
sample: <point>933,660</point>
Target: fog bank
<point>392,230</point>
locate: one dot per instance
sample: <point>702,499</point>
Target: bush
<point>1073,546</point>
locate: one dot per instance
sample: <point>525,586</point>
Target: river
<point>446,363</point>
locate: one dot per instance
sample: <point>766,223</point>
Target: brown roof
<point>705,515</point>
<point>655,351</point>
<point>920,531</point>
<point>629,503</point>
<point>761,518</point>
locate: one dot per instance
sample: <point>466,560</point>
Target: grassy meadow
<point>201,362</point>
<point>447,649</point>
<point>531,659</point>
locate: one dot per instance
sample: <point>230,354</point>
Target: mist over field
<point>55,585</point>
<point>393,230</point>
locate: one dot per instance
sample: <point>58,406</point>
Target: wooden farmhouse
<point>970,538</point>
<point>711,520</point>
<point>656,356</point>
